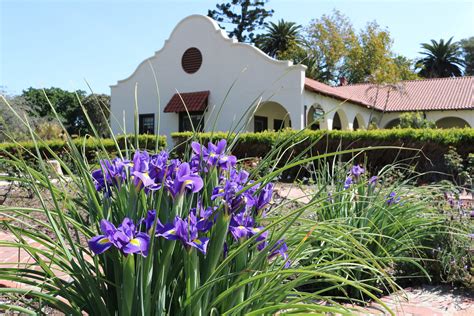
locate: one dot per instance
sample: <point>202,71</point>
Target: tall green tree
<point>279,37</point>
<point>246,16</point>
<point>328,41</point>
<point>371,58</point>
<point>467,46</point>
<point>442,59</point>
<point>66,104</point>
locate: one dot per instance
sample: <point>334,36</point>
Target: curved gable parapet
<point>222,35</point>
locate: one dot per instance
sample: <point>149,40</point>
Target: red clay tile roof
<point>194,101</point>
<point>324,89</point>
<point>416,95</point>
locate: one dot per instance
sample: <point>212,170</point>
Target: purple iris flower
<point>239,176</point>
<point>125,238</point>
<point>348,183</point>
<point>392,199</point>
<point>158,167</point>
<point>357,171</point>
<point>265,196</point>
<point>373,181</point>
<point>111,173</point>
<point>280,248</point>
<point>185,231</point>
<point>261,243</point>
<point>185,179</point>
<point>140,170</point>
<point>149,220</point>
<point>214,155</point>
<point>240,225</point>
<point>233,201</point>
<point>202,217</point>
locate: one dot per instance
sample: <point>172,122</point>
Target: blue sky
<point>46,43</point>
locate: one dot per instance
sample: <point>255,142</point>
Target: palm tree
<point>279,37</point>
<point>442,59</point>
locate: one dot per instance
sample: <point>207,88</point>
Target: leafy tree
<point>365,56</point>
<point>329,40</point>
<point>442,59</point>
<point>279,37</point>
<point>405,68</point>
<point>467,46</point>
<point>371,59</point>
<point>66,104</point>
<point>98,109</point>
<point>246,16</point>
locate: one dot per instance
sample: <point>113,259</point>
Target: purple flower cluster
<point>238,194</point>
<point>211,156</point>
<point>241,201</point>
<point>392,199</point>
<point>354,176</point>
<point>147,172</point>
<point>125,238</point>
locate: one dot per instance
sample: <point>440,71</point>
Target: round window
<point>191,60</point>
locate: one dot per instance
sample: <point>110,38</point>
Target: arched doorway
<point>358,122</point>
<point>393,123</point>
<point>271,116</point>
<point>339,121</point>
<point>315,117</point>
<point>451,122</point>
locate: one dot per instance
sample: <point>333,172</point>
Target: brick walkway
<point>15,257</point>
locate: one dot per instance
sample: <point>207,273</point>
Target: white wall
<point>225,62</point>
<point>347,111</point>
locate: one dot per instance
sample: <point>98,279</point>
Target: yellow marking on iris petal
<point>186,182</point>
<point>197,241</point>
<point>241,227</point>
<point>255,230</point>
<point>135,242</point>
<point>172,231</point>
<point>104,241</point>
<point>221,190</point>
<point>212,155</point>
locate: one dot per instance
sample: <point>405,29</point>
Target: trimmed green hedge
<point>434,144</point>
<point>91,145</point>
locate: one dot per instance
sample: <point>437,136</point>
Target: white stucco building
<point>203,78</point>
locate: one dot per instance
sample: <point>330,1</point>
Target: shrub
<point>89,147</point>
<point>415,120</point>
<point>429,146</point>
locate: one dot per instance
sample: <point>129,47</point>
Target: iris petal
<point>99,244</point>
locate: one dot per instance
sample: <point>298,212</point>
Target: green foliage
<point>89,145</point>
<point>66,104</point>
<point>457,167</point>
<point>364,56</point>
<point>98,109</point>
<point>246,16</point>
<point>415,120</point>
<point>49,130</point>
<point>423,147</point>
<point>279,38</point>
<point>442,59</point>
<point>455,137</point>
<point>467,46</point>
<point>329,40</point>
<point>389,218</point>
